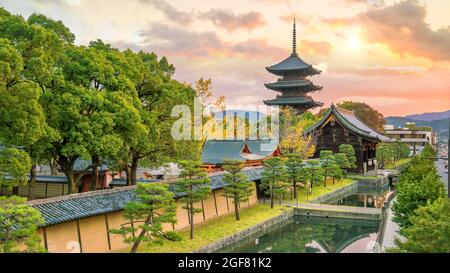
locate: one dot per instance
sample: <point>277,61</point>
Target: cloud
<point>402,28</point>
<point>231,21</point>
<point>314,48</point>
<point>171,12</point>
<point>169,40</point>
<point>378,70</point>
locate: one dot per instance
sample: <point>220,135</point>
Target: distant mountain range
<point>439,121</point>
<point>430,116</point>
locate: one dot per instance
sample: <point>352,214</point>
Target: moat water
<point>303,234</point>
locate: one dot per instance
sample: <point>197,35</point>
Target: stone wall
<point>245,233</point>
<point>91,234</point>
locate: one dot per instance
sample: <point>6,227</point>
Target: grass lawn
<point>319,190</point>
<point>215,229</point>
<point>398,163</point>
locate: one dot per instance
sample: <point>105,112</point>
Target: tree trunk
<point>127,174</point>
<point>236,209</point>
<point>95,164</point>
<point>271,199</point>
<point>53,166</point>
<point>32,182</point>
<point>295,191</point>
<point>71,183</point>
<point>133,171</point>
<point>191,209</point>
<point>141,235</point>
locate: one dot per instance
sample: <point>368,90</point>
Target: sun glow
<point>353,39</point>
<point>353,42</point>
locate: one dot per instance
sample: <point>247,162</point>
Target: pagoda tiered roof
<point>297,101</point>
<point>293,84</point>
<point>293,64</point>
<point>304,85</point>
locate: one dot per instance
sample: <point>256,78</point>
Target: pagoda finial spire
<point>294,39</point>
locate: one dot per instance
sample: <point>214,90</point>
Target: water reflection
<point>312,235</point>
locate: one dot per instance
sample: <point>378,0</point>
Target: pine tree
<point>156,206</point>
<point>315,172</point>
<point>238,186</point>
<point>195,186</point>
<point>273,179</point>
<point>295,172</point>
<point>349,151</point>
<point>326,161</point>
<point>342,161</point>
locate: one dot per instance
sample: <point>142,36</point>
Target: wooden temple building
<point>292,84</point>
<point>339,126</point>
<point>251,152</point>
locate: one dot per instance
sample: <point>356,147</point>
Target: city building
<point>292,84</point>
<point>416,137</point>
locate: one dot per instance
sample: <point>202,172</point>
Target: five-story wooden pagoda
<point>292,83</point>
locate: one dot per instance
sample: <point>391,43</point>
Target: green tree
<point>349,151</point>
<point>238,187</point>
<point>342,162</point>
<point>370,116</point>
<point>327,163</point>
<point>155,206</point>
<point>194,185</point>
<point>18,224</point>
<point>429,230</point>
<point>419,183</point>
<point>14,166</point>
<point>295,170</point>
<point>273,178</point>
<point>315,173</point>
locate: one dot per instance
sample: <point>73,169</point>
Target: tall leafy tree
<point>14,166</point>
<point>292,126</point>
<point>366,113</point>
<point>296,172</point>
<point>194,185</point>
<point>18,224</point>
<point>273,178</point>
<point>419,184</point>
<point>155,206</point>
<point>238,187</point>
<point>429,231</point>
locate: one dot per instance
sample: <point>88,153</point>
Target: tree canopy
<point>365,112</point>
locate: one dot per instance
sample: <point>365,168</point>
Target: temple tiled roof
<point>350,121</point>
<point>78,206</point>
<point>217,151</point>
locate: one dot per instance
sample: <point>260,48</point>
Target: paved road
<point>391,230</point>
<point>440,164</point>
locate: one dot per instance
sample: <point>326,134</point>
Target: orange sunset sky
<point>393,55</point>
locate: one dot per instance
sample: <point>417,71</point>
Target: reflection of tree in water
<point>308,236</point>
